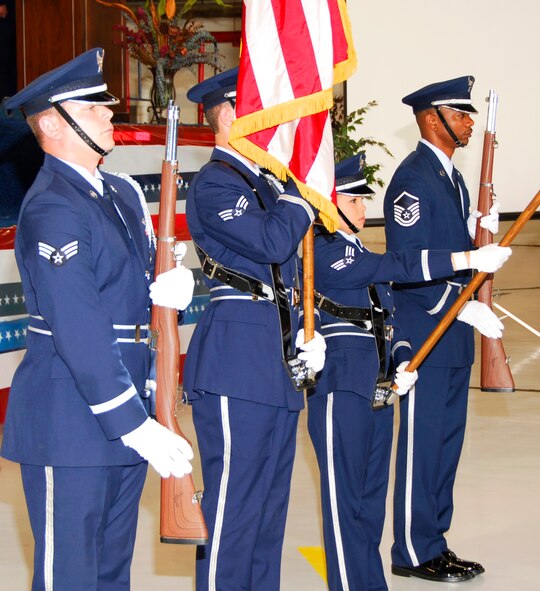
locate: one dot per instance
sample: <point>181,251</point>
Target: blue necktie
<point>111,207</point>
<point>457,192</point>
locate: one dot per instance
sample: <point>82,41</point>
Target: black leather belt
<point>214,270</point>
<point>339,311</point>
<point>370,319</point>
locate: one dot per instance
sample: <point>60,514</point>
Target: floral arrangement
<point>161,38</point>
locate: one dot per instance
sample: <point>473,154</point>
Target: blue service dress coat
<point>353,442</point>
<point>423,210</point>
<point>237,335</point>
<point>245,409</point>
<point>85,281</point>
<point>81,384</point>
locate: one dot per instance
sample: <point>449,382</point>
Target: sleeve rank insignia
<point>240,207</point>
<point>347,260</point>
<point>406,209</point>
<point>58,256</point>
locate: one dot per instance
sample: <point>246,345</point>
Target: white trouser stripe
<point>49,529</point>
<point>332,489</point>
<point>409,479</point>
<point>216,538</point>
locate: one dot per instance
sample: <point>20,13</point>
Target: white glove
<point>489,222</point>
<point>166,451</point>
<point>173,289</point>
<point>489,258</point>
<point>481,317</point>
<point>471,223</point>
<point>313,351</point>
<point>404,379</point>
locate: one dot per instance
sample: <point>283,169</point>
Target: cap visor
<point>98,98</point>
<point>463,108</point>
<point>362,190</point>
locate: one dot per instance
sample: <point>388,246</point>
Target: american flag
<point>293,52</point>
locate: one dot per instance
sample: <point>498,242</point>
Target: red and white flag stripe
<point>293,52</point>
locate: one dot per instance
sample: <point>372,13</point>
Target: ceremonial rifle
<point>454,310</point>
<point>181,521</point>
<point>495,375</point>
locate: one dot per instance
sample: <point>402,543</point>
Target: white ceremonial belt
<point>126,333</point>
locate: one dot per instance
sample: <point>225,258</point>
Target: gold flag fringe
<point>345,69</point>
<point>282,113</point>
<point>327,210</point>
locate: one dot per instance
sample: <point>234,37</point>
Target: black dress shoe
<point>438,569</point>
<point>475,568</point>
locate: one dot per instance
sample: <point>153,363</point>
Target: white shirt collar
<point>251,165</point>
<point>96,181</point>
<point>351,238</point>
<point>445,161</point>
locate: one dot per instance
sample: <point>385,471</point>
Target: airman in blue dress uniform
<point>352,440</point>
<point>78,419</point>
<point>245,406</point>
<point>426,207</point>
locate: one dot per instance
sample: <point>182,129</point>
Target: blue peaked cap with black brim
<point>350,178</point>
<point>454,94</point>
<point>216,90</point>
<point>80,79</point>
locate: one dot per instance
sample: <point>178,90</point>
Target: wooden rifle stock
<point>454,310</point>
<point>495,375</point>
<point>181,521</point>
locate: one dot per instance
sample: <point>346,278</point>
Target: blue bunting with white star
<point>11,299</point>
<point>13,335</point>
<point>12,331</point>
<point>201,299</point>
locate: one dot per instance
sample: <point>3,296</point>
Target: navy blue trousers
<point>353,445</point>
<point>431,432</point>
<point>84,522</point>
<point>247,453</point>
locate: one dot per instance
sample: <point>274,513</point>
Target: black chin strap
<point>348,222</point>
<point>448,128</point>
<point>79,131</point>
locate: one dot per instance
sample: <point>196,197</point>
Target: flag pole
<point>308,266</point>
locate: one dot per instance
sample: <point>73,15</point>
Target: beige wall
<point>403,45</point>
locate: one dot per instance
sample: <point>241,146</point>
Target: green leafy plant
<point>343,127</point>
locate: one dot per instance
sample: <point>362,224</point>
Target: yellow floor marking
<point>315,556</point>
